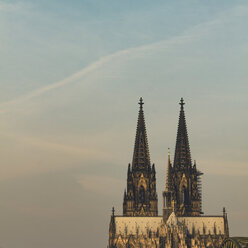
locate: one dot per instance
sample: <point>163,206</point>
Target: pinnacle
<point>182,153</point>
<point>169,174</point>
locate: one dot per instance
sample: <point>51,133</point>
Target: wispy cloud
<point>130,53</point>
<point>85,152</point>
<point>34,155</point>
<point>89,69</point>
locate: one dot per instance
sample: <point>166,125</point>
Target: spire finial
<point>141,157</point>
<point>168,185</point>
<point>113,211</point>
<point>141,103</point>
<point>182,158</point>
<point>182,103</point>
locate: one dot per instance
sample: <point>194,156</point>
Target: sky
<point>71,75</point>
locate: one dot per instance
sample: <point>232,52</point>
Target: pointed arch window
<point>184,197</point>
<point>141,194</point>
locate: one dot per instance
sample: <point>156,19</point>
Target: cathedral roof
<point>131,225</point>
<point>204,225</point>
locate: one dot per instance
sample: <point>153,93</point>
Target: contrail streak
<point>192,34</point>
<point>98,64</point>
<point>90,68</point>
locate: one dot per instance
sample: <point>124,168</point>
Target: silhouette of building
<point>141,199</point>
<point>183,182</point>
<point>182,223</point>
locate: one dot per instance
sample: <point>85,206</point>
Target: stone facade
<point>182,223</point>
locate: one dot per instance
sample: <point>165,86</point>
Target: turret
<point>112,229</point>
<point>226,227</point>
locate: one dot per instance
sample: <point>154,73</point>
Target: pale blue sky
<point>71,74</point>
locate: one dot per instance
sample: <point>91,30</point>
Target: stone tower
<point>183,183</point>
<point>140,197</point>
<point>182,224</point>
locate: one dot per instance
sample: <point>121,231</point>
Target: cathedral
<point>182,223</point>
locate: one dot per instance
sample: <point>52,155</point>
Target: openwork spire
<point>182,153</point>
<point>169,185</point>
<point>141,157</point>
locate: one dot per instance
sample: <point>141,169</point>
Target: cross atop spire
<point>141,157</point>
<point>141,103</point>
<point>182,157</point>
<point>182,103</point>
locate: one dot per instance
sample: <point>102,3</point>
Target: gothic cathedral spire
<point>140,198</point>
<point>183,185</point>
<point>182,224</point>
<point>141,157</point>
<point>182,157</point>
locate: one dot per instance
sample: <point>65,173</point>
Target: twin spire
<point>182,157</point>
<point>141,156</point>
<point>140,199</point>
<point>183,183</point>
